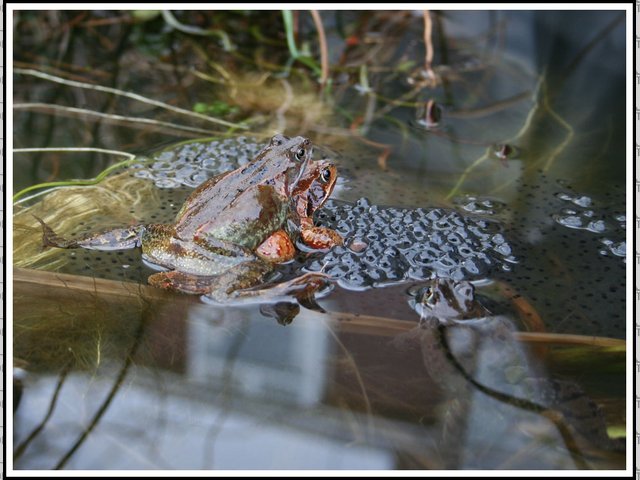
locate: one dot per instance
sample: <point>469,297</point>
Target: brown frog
<point>446,300</point>
<point>210,248</point>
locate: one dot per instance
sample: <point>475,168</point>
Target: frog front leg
<point>115,239</point>
<point>277,248</point>
<point>320,237</point>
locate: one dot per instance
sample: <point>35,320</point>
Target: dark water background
<point>174,383</point>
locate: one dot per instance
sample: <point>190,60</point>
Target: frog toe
<point>52,239</point>
<point>305,286</point>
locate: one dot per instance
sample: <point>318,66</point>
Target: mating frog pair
<point>235,227</point>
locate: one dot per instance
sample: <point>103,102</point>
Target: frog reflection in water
<point>234,227</point>
<point>465,347</point>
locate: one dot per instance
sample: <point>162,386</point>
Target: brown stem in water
<point>428,58</point>
<point>324,51</point>
<point>386,149</point>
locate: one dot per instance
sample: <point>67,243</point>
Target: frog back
<point>248,220</point>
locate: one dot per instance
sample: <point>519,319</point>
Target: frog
<point>310,194</point>
<point>210,248</point>
<point>447,300</point>
<point>466,347</point>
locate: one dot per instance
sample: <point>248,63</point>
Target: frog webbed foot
<point>302,289</point>
<point>231,287</point>
<point>283,312</point>
<point>52,239</point>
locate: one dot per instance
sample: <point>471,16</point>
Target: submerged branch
<point>52,405</point>
<point>73,149</point>
<point>108,116</point>
<point>124,370</point>
<point>567,140</point>
<point>428,57</point>
<point>525,128</point>
<point>122,93</point>
<point>191,30</point>
<point>324,51</point>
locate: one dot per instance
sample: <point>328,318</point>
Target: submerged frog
<point>210,248</point>
<point>446,300</point>
<point>466,348</point>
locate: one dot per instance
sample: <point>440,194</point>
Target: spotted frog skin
<point>211,248</point>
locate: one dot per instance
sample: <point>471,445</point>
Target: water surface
<point>136,378</point>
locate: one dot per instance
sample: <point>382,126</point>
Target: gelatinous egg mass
<point>571,252</point>
<point>194,162</point>
<point>397,244</point>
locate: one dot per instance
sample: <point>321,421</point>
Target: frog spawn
<point>583,217</point>
<point>562,270</point>
<point>192,163</point>
<point>390,245</point>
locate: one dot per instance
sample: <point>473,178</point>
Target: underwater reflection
<point>147,379</point>
<point>499,395</point>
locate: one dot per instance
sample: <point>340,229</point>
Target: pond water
<point>495,164</point>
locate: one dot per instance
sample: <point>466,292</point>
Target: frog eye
<point>325,176</point>
<point>428,295</point>
<point>300,153</point>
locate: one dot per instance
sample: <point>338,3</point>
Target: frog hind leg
<point>115,239</point>
<point>239,284</point>
<point>301,288</point>
<point>220,287</point>
<point>182,282</point>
